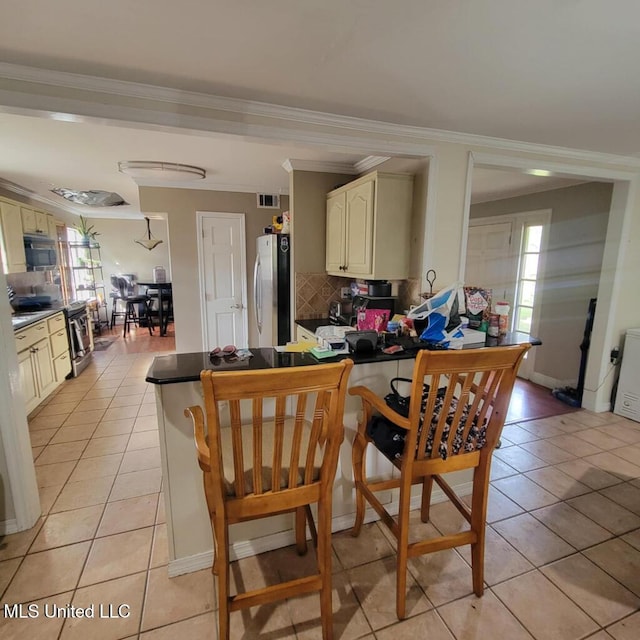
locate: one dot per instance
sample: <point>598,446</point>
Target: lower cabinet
<point>43,359</point>
<point>304,335</point>
<point>28,380</point>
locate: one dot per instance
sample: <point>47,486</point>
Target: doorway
<point>506,254</point>
<point>223,279</point>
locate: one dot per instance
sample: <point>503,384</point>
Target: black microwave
<point>40,253</point>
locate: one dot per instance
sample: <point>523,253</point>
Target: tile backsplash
<point>314,293</point>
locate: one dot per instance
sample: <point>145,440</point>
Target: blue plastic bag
<point>441,313</point>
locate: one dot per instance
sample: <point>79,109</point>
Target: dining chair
<point>131,301</point>
<point>457,408</point>
<point>268,444</point>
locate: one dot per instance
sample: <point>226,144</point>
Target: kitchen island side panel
<point>188,526</point>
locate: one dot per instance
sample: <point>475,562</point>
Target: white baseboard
<point>246,548</point>
<point>8,526</point>
<point>551,383</point>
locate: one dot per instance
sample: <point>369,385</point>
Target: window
<point>527,276</point>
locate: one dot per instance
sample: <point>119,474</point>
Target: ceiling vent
<point>268,201</point>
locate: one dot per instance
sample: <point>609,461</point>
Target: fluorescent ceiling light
<point>170,171</point>
<point>543,173</point>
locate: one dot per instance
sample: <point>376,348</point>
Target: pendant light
<point>149,242</point>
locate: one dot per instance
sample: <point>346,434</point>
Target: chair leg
<point>402,552</point>
<point>222,570</point>
<point>427,486</point>
<point>149,321</point>
<point>126,320</point>
<point>301,531</point>
<point>479,500</point>
<point>358,452</point>
<point>324,568</point>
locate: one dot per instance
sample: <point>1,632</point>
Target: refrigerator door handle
<point>257,292</point>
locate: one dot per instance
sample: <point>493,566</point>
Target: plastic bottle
<point>502,309</point>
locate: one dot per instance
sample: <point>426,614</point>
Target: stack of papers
<point>302,345</point>
<point>321,353</point>
<point>472,336</point>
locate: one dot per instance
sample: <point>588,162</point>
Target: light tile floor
<point>562,555</point>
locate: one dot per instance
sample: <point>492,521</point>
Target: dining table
<point>163,292</point>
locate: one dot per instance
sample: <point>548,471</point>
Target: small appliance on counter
<point>379,288</point>
<point>341,312</point>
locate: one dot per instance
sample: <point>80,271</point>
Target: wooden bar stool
<point>131,302</point>
<point>256,466</point>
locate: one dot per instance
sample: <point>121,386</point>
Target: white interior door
<point>498,258</point>
<point>223,279</point>
<point>491,263</point>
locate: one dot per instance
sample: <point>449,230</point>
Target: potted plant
<point>86,231</point>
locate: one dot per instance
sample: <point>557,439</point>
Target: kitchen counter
<point>312,324</point>
<point>186,367</point>
<point>22,320</point>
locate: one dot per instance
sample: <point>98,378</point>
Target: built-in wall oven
<point>79,329</point>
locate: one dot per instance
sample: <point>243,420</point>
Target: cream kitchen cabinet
<point>35,221</point>
<point>57,326</point>
<point>12,245</point>
<point>368,227</point>
<point>43,358</point>
<point>304,335</point>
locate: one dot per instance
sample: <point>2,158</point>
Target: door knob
<point>237,306</point>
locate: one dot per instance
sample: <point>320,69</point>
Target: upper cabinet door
<point>12,243</point>
<point>359,240</point>
<point>29,224</point>
<point>369,227</point>
<point>335,245</point>
<point>52,227</point>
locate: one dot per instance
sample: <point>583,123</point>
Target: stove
<point>79,332</point>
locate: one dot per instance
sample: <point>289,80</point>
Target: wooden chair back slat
<point>278,442</point>
<point>238,450</point>
<point>296,444</point>
<point>257,448</point>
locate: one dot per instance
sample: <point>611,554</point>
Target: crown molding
<point>370,162</point>
<point>211,186</point>
<point>319,166</point>
<point>420,135</point>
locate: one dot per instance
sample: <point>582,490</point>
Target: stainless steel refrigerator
<point>272,289</point>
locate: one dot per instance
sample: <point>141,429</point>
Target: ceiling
<point>555,72</point>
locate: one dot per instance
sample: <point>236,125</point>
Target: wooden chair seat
<point>455,427</point>
<point>269,445</point>
<point>266,473</point>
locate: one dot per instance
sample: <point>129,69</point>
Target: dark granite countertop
<point>22,320</point>
<point>313,324</point>
<point>186,367</point>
